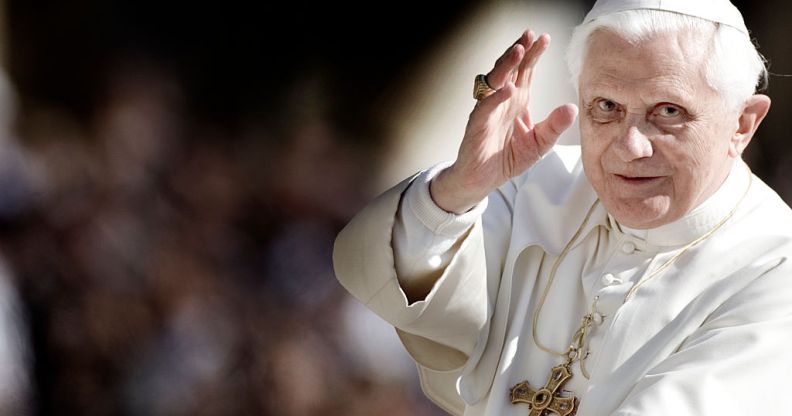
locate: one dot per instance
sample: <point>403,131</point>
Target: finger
<point>506,65</point>
<point>485,109</point>
<point>531,57</point>
<point>525,39</point>
<point>532,54</point>
<point>559,120</point>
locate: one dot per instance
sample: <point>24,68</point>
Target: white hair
<point>734,68</point>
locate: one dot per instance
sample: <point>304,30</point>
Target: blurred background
<point>173,174</point>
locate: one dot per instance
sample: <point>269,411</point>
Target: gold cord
<point>553,270</point>
<point>578,349</point>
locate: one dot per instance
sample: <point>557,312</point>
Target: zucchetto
<point>720,11</point>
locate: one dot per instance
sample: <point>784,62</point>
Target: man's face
<point>655,136</point>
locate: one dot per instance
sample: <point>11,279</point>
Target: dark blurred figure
<point>189,277</point>
<point>17,182</point>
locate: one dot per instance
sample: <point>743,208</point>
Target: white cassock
<point>709,335</point>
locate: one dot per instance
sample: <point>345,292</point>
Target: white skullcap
<point>719,11</point>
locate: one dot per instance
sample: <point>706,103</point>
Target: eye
<point>668,111</point>
<point>606,105</point>
<point>603,110</point>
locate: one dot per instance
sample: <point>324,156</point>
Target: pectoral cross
<point>545,399</point>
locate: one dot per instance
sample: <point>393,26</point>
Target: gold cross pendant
<point>545,399</point>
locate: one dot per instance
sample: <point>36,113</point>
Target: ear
<point>753,112</point>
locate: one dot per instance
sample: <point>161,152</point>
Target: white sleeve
<point>425,237</point>
<point>441,328</point>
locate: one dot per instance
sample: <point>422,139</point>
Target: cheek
<point>697,162</point>
<point>594,144</point>
<point>698,150</point>
<point>710,139</point>
<point>591,144</point>
<point>684,159</point>
<point>588,147</point>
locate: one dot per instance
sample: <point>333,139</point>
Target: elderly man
<point>643,273</point>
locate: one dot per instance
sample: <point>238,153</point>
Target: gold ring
<point>481,88</point>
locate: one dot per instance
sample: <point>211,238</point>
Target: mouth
<point>638,180</point>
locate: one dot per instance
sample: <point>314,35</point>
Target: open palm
<point>501,141</point>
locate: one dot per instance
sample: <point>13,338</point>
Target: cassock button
<point>628,247</point>
<point>609,280</point>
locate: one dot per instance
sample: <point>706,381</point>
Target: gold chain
<point>578,348</point>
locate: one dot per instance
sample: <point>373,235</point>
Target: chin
<point>643,214</point>
<point>641,223</point>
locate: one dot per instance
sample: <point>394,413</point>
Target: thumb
<point>560,119</point>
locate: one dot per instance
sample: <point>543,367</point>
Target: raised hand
<point>500,139</point>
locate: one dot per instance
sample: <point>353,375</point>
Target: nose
<point>632,145</point>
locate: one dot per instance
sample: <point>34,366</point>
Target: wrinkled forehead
<point>675,61</point>
<point>668,47</point>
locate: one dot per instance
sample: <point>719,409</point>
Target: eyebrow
<point>670,94</point>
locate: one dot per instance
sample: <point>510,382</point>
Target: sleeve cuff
<point>420,203</point>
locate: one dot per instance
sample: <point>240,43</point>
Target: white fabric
<point>707,337</point>
<point>426,233</point>
<point>720,11</point>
